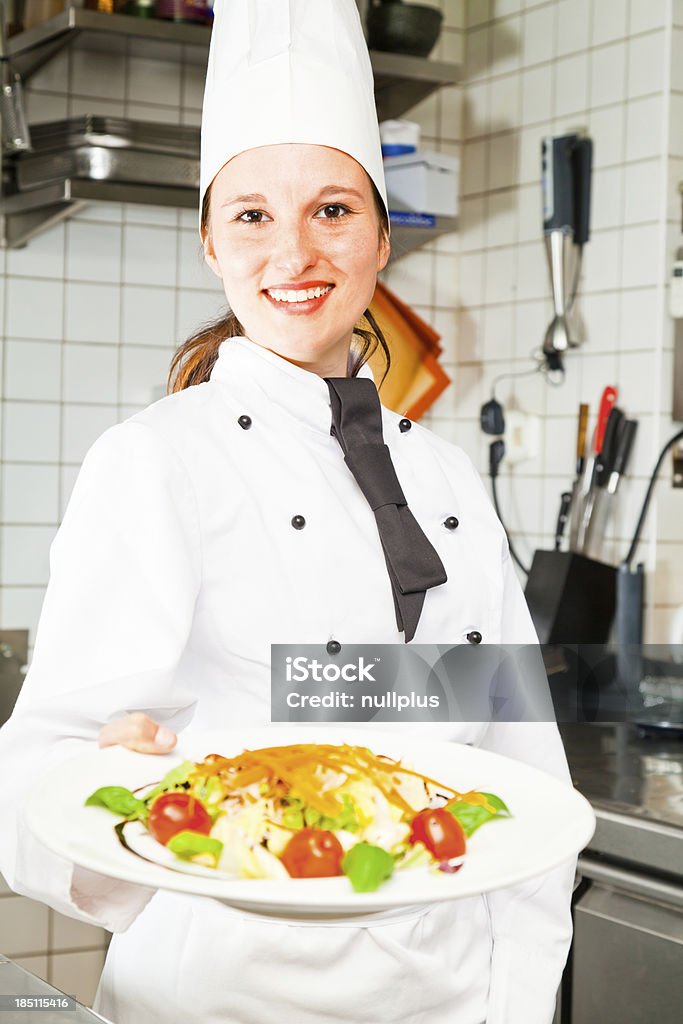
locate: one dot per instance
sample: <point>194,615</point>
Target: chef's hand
<point>138,731</point>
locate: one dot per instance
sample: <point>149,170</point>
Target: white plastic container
<point>424,181</point>
<point>399,135</point>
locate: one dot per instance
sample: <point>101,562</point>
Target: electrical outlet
<point>522,437</point>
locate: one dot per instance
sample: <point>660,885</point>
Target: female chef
<point>223,519</point>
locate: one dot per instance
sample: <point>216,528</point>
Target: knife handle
<point>581,436</point>
<point>605,460</point>
<point>626,438</point>
<point>562,517</point>
<point>609,397</point>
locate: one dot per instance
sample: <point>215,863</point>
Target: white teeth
<point>300,296</point>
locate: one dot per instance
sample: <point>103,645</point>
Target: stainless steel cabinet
<point>627,963</point>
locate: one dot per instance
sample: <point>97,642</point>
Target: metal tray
<point>100,163</point>
<point>97,148</point>
<point>116,133</point>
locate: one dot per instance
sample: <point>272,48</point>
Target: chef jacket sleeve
<point>124,576</point>
<point>531,923</point>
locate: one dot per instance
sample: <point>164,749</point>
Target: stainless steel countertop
<point>635,785</point>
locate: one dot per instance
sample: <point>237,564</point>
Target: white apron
<point>175,568</point>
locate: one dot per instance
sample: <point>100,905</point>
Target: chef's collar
<point>302,393</point>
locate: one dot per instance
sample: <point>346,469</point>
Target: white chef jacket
<point>175,568</point>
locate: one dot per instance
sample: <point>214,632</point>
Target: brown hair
<point>193,361</point>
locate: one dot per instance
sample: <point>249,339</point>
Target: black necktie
<point>412,563</point>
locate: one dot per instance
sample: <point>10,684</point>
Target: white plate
<point>550,822</point>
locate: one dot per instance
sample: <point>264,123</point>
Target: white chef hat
<point>289,71</point>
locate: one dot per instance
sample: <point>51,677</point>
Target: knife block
<point>571,598</point>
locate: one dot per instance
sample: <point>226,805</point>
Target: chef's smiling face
<point>294,234</point>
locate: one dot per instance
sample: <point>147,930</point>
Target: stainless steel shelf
<point>405,239</point>
<point>32,49</point>
<point>27,214</point>
<point>400,83</point>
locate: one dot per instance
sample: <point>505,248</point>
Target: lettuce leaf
<point>367,866</point>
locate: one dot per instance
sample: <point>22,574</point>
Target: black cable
<point>648,495</point>
<point>510,544</point>
<point>496,453</point>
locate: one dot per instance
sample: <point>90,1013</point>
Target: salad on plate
<point>303,810</point>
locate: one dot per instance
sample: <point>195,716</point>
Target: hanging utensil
<point>15,133</point>
<point>566,161</point>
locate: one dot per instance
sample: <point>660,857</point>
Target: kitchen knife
<point>603,507</point>
<point>604,460</point>
<point>627,436</point>
<point>586,489</point>
<point>580,463</point>
<point>562,517</point>
<point>608,452</point>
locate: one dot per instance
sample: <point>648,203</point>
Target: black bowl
<point>404,28</point>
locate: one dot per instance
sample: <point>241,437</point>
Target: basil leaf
<point>171,779</point>
<point>496,802</point>
<point>367,866</point>
<point>472,816</point>
<point>119,800</point>
<point>187,844</point>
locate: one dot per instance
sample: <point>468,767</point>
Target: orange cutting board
<point>416,378</point>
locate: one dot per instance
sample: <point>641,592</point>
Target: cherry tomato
<point>175,812</point>
<point>313,853</point>
<point>439,831</point>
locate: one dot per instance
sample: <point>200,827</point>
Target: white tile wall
<point>609,20</point>
<point>149,255</point>
<point>30,432</point>
<point>77,974</point>
<point>23,926</point>
<point>25,552</point>
<point>34,308</point>
<point>29,494</point>
<point>90,373</point>
<point>92,310</point>
<point>148,315</point>
<point>646,129</point>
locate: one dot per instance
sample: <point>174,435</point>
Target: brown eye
<point>248,213</point>
<point>336,207</point>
